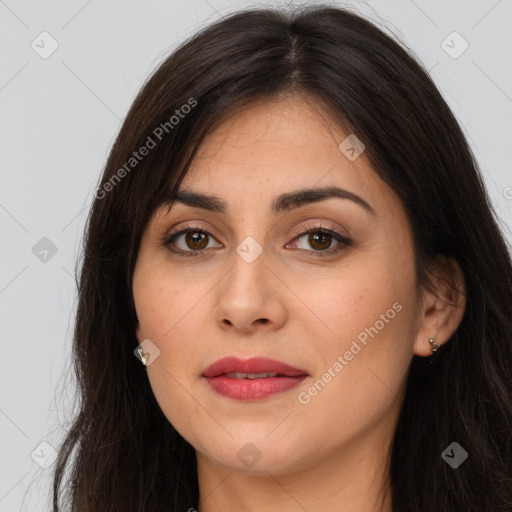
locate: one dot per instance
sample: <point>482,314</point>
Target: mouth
<point>252,379</point>
<point>239,375</point>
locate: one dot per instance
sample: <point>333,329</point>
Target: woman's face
<point>340,306</point>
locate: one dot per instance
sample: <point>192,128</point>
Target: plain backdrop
<point>60,113</point>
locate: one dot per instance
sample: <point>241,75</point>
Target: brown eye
<point>191,241</point>
<point>195,240</point>
<point>320,240</point>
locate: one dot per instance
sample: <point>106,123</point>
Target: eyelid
<point>188,226</point>
<point>304,227</point>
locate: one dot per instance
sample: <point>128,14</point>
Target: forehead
<point>277,147</point>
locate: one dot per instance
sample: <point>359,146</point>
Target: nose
<point>250,297</point>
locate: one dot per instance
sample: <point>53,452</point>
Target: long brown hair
<point>123,454</point>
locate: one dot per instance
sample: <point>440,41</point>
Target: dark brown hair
<point>123,453</point>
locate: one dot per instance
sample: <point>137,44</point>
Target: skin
<point>334,449</point>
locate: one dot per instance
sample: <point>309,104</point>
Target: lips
<point>252,379</point>
<point>255,365</point>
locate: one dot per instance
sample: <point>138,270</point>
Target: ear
<point>442,307</point>
<point>137,333</point>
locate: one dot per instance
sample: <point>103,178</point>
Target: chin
<point>255,453</point>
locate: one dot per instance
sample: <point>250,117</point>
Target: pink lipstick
<point>252,379</point>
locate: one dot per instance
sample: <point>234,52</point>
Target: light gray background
<point>59,117</point>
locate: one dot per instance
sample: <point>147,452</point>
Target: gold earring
<point>142,356</point>
<point>435,346</point>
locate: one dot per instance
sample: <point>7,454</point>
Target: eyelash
<point>167,240</point>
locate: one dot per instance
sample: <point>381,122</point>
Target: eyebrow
<point>283,203</point>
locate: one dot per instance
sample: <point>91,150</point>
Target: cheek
<point>362,372</point>
<point>163,302</point>
<point>364,298</point>
<point>178,403</point>
<point>371,314</point>
<point>165,310</point>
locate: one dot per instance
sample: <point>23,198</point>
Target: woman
<point>292,237</point>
